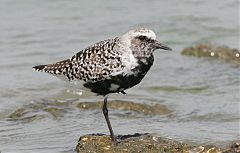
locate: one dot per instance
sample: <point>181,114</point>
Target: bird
<point>109,66</point>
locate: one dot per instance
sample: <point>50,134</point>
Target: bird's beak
<point>159,45</point>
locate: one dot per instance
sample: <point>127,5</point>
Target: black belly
<point>121,82</point>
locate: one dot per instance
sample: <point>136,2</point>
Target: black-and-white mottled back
<point>110,66</point>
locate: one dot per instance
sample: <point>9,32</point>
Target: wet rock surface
<point>214,52</point>
<point>234,147</point>
<point>144,109</point>
<point>56,109</point>
<point>127,144</point>
<point>40,109</point>
<point>144,143</point>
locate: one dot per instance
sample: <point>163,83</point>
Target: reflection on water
<point>199,97</point>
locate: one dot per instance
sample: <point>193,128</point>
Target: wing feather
<point>92,64</point>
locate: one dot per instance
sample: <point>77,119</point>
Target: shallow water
<point>202,94</point>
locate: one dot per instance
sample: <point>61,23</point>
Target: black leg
<point>105,112</point>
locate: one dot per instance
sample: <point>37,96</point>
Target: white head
<point>142,42</point>
<point>141,32</point>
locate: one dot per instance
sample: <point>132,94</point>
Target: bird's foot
<point>116,140</point>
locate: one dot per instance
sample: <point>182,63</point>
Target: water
<point>202,94</point>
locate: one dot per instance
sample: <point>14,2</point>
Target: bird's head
<point>142,42</point>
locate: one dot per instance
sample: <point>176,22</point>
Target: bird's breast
<point>121,81</point>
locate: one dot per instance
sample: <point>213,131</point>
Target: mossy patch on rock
<point>128,144</point>
<point>214,52</point>
<point>144,143</point>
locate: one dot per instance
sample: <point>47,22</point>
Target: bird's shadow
<point>120,138</point>
<point>123,137</point>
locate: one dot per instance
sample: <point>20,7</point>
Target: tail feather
<point>58,68</point>
<point>39,68</point>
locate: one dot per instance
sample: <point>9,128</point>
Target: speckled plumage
<point>91,64</point>
<point>111,65</point>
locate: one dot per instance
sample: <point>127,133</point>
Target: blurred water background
<point>203,95</point>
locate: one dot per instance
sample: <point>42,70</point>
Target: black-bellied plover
<point>110,66</point>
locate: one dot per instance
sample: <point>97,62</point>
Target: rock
<point>56,109</point>
<point>37,110</point>
<point>233,148</point>
<point>144,109</point>
<point>144,143</point>
<point>214,52</point>
<point>18,113</point>
<point>23,115</point>
<point>128,144</point>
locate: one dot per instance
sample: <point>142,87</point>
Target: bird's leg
<point>105,113</point>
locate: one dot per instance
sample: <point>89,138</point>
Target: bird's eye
<point>142,37</point>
